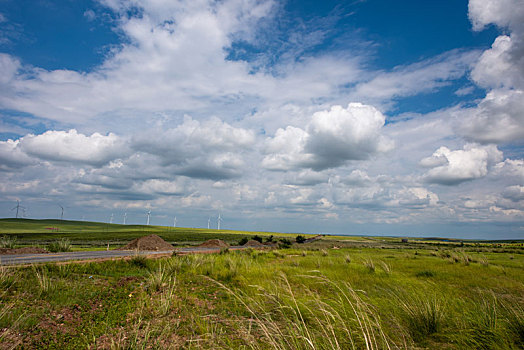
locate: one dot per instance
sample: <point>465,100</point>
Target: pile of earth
<point>24,250</point>
<point>214,243</point>
<point>151,242</point>
<point>254,244</point>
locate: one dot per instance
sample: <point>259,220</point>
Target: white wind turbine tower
<point>208,222</point>
<point>111,219</point>
<point>174,222</point>
<point>125,217</point>
<point>219,220</point>
<point>148,216</point>
<point>62,214</point>
<point>18,207</point>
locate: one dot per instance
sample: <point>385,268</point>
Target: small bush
<point>62,245</point>
<point>300,239</point>
<point>224,251</point>
<point>243,241</point>
<point>257,238</point>
<point>8,242</point>
<point>270,239</point>
<point>284,243</point>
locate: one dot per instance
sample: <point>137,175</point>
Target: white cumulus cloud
<point>453,167</point>
<point>71,146</point>
<point>332,137</point>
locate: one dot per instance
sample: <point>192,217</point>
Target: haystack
<point>214,243</point>
<point>151,242</point>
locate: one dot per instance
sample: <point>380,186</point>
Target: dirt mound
<point>214,243</point>
<point>254,244</point>
<point>151,242</point>
<point>24,250</point>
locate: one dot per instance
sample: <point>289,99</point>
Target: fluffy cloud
<point>499,118</point>
<point>11,156</point>
<point>514,193</point>
<point>211,149</point>
<point>331,138</point>
<point>74,147</point>
<point>504,13</point>
<point>453,167</point>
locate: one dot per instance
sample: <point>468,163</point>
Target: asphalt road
<point>18,259</point>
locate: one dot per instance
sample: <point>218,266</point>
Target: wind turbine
<point>111,220</point>
<point>148,216</point>
<point>219,220</point>
<point>18,207</point>
<point>62,214</point>
<point>125,216</point>
<point>174,222</point>
<point>208,222</point>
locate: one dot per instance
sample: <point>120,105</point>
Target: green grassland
<point>337,293</point>
<point>96,234</point>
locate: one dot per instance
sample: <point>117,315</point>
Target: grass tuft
<point>43,281</point>
<point>61,245</point>
<point>423,314</point>
<point>7,242</point>
<point>370,265</point>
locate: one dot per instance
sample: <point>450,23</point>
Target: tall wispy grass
<point>423,313</point>
<point>43,280</point>
<point>280,319</point>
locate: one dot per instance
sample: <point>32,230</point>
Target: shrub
<point>62,245</point>
<point>270,239</point>
<point>243,241</point>
<point>284,243</point>
<point>300,239</point>
<point>257,238</point>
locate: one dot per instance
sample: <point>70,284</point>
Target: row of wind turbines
<point>148,213</point>
<point>20,208</point>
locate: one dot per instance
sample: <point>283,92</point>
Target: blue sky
<point>357,117</point>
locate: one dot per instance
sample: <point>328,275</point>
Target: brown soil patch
<point>151,242</point>
<point>214,243</point>
<point>24,250</point>
<point>254,244</point>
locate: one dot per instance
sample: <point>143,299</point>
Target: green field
<point>337,293</point>
<point>96,234</point>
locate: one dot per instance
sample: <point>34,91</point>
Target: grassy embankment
<point>308,297</point>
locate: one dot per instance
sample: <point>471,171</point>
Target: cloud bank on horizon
<point>277,116</point>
